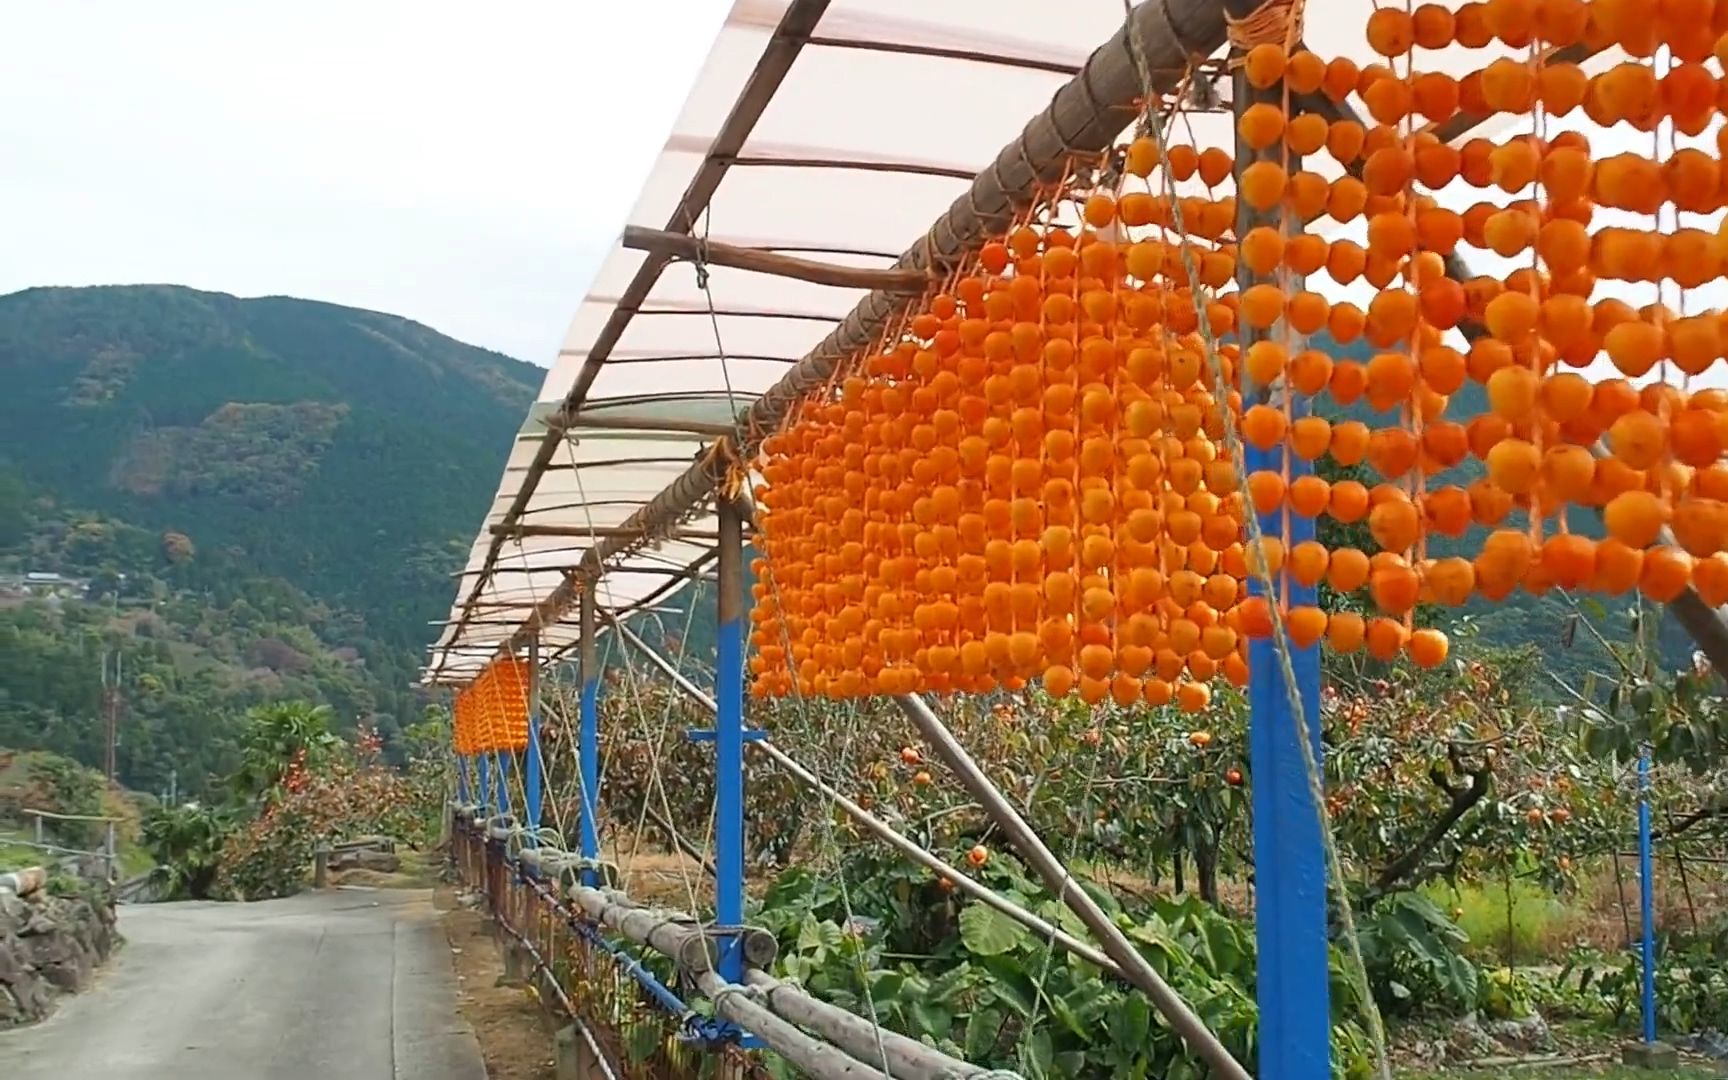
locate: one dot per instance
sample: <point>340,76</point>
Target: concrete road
<point>355,984</point>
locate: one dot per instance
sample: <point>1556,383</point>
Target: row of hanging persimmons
<point>1033,479</point>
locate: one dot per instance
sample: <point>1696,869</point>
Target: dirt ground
<point>515,1038</point>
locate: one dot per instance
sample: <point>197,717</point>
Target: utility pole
<point>111,711</point>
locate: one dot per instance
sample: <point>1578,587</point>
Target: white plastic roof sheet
<point>884,116</point>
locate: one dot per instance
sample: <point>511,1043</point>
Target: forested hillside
<point>249,499</point>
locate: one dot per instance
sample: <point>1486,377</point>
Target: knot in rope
<point>729,468</point>
<point>701,261</point>
<point>1275,22</point>
<point>756,994</point>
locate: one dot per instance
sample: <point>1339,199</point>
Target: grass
<point>14,855</point>
<point>1523,925</point>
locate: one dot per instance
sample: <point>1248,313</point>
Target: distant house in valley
<point>43,585</point>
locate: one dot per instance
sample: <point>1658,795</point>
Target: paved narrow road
<point>355,984</point>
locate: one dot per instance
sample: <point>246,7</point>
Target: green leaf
<point>1041,1053</point>
<point>1010,985</point>
<point>982,1028</point>
<point>886,984</point>
<point>1131,1023</point>
<point>987,932</point>
<point>932,1020</point>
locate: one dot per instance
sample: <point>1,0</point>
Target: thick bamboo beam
<point>1086,116</point>
<point>714,253</point>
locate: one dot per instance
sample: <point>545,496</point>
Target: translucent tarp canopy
<point>842,141</point>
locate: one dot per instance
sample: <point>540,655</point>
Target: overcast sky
<point>465,165</point>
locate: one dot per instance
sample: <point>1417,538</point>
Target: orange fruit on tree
<point>1394,589</point>
<point>1193,697</point>
<point>1569,559</point>
<point>1710,580</point>
<point>1514,466</point>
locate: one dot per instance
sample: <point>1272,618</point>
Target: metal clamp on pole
<point>501,826</point>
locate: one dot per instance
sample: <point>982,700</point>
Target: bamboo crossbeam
<point>714,253</point>
<point>1085,117</point>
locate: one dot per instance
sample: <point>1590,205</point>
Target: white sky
<point>464,165</point>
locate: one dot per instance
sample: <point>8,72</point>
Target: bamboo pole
<point>673,936</point>
<point>1194,1033</point>
<point>907,1059</point>
<point>755,260</point>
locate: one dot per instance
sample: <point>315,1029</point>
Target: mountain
<point>270,495</point>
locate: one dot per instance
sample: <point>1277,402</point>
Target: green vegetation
<point>36,780</point>
<point>1443,787</point>
<point>298,785</point>
<point>266,499</point>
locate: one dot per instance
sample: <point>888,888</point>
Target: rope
<point>1276,22</point>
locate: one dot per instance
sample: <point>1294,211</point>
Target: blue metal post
<point>483,771</point>
<point>1290,923</point>
<point>532,770</point>
<point>503,759</point>
<point>1647,898</point>
<point>588,734</point>
<point>1289,860</point>
<point>729,740</point>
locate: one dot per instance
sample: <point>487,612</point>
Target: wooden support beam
<point>692,249</point>
<point>601,532</point>
<point>605,421</point>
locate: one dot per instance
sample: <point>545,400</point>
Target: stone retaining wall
<point>49,945</point>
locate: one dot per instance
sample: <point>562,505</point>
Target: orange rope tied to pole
<point>1276,22</point>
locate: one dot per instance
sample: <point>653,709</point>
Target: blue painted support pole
<point>532,770</point>
<point>502,757</point>
<point>588,732</point>
<point>729,741</point>
<point>483,772</point>
<point>1289,860</point>
<point>1646,899</point>
<point>1290,923</point>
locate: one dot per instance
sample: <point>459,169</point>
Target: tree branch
<point>1463,800</point>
